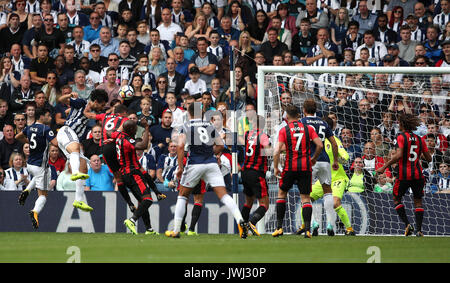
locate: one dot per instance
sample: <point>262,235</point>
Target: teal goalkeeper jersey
<point>343,157</point>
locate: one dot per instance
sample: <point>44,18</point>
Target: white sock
<point>39,204</point>
<point>180,209</point>
<point>74,159</point>
<point>232,206</point>
<point>329,208</point>
<point>31,185</point>
<point>79,189</point>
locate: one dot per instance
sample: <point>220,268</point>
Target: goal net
<point>364,103</point>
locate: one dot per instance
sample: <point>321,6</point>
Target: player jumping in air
<point>254,172</point>
<point>111,123</point>
<point>131,171</point>
<point>410,148</point>
<point>75,130</point>
<point>297,139</point>
<point>38,135</point>
<point>203,141</point>
<point>322,170</point>
<point>339,181</point>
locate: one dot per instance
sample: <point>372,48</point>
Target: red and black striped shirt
<point>297,137</point>
<point>126,153</point>
<point>409,167</point>
<point>255,142</point>
<point>110,123</point>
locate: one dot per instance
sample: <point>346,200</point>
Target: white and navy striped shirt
<point>33,7</point>
<point>80,49</point>
<point>129,62</point>
<point>441,20</point>
<point>443,183</point>
<point>332,82</point>
<point>418,35</point>
<point>107,21</point>
<point>76,120</point>
<point>376,52</point>
<point>168,165</point>
<point>267,7</point>
<point>14,175</point>
<point>215,3</point>
<point>315,50</point>
<point>122,73</point>
<point>219,51</point>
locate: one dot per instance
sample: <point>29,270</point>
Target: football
<point>126,92</point>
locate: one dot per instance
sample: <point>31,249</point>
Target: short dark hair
<point>41,112</point>
<point>120,109</point>
<point>353,23</point>
<point>94,45</point>
<point>292,111</point>
<point>310,106</point>
<point>99,95</point>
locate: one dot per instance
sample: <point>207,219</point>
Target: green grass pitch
<point>42,247</point>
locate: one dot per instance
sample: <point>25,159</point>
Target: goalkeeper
<point>339,182</point>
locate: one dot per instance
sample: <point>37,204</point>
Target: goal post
<point>371,212</point>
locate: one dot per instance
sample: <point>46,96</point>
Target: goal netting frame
<point>370,213</point>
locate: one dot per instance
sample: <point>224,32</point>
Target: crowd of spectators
<point>174,52</point>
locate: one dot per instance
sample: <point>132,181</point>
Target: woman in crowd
<point>258,28</point>
<point>51,88</point>
<point>199,28</point>
<point>17,171</point>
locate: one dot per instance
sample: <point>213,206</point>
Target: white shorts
<point>41,176</point>
<point>65,137</point>
<point>210,173</point>
<point>321,171</point>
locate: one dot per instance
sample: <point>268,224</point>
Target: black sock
<point>245,211</point>
<point>258,214</point>
<point>400,208</point>
<point>142,208</point>
<point>195,215</point>
<point>419,218</point>
<point>307,213</point>
<point>151,184</point>
<point>146,220</point>
<point>123,191</point>
<point>281,210</point>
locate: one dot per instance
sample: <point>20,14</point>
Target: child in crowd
<point>195,85</point>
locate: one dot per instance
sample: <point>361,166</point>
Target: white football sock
<point>31,185</point>
<point>329,209</point>
<point>74,159</point>
<point>232,206</point>
<point>79,189</point>
<point>39,204</point>
<point>180,209</point>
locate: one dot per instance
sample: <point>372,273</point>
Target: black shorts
<point>110,156</point>
<point>402,186</point>
<point>137,183</point>
<point>303,179</point>
<point>254,183</point>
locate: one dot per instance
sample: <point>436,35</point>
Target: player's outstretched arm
<point>21,137</point>
<point>88,112</point>
<point>393,160</point>
<point>276,158</point>
<point>335,150</point>
<point>145,137</point>
<point>319,147</point>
